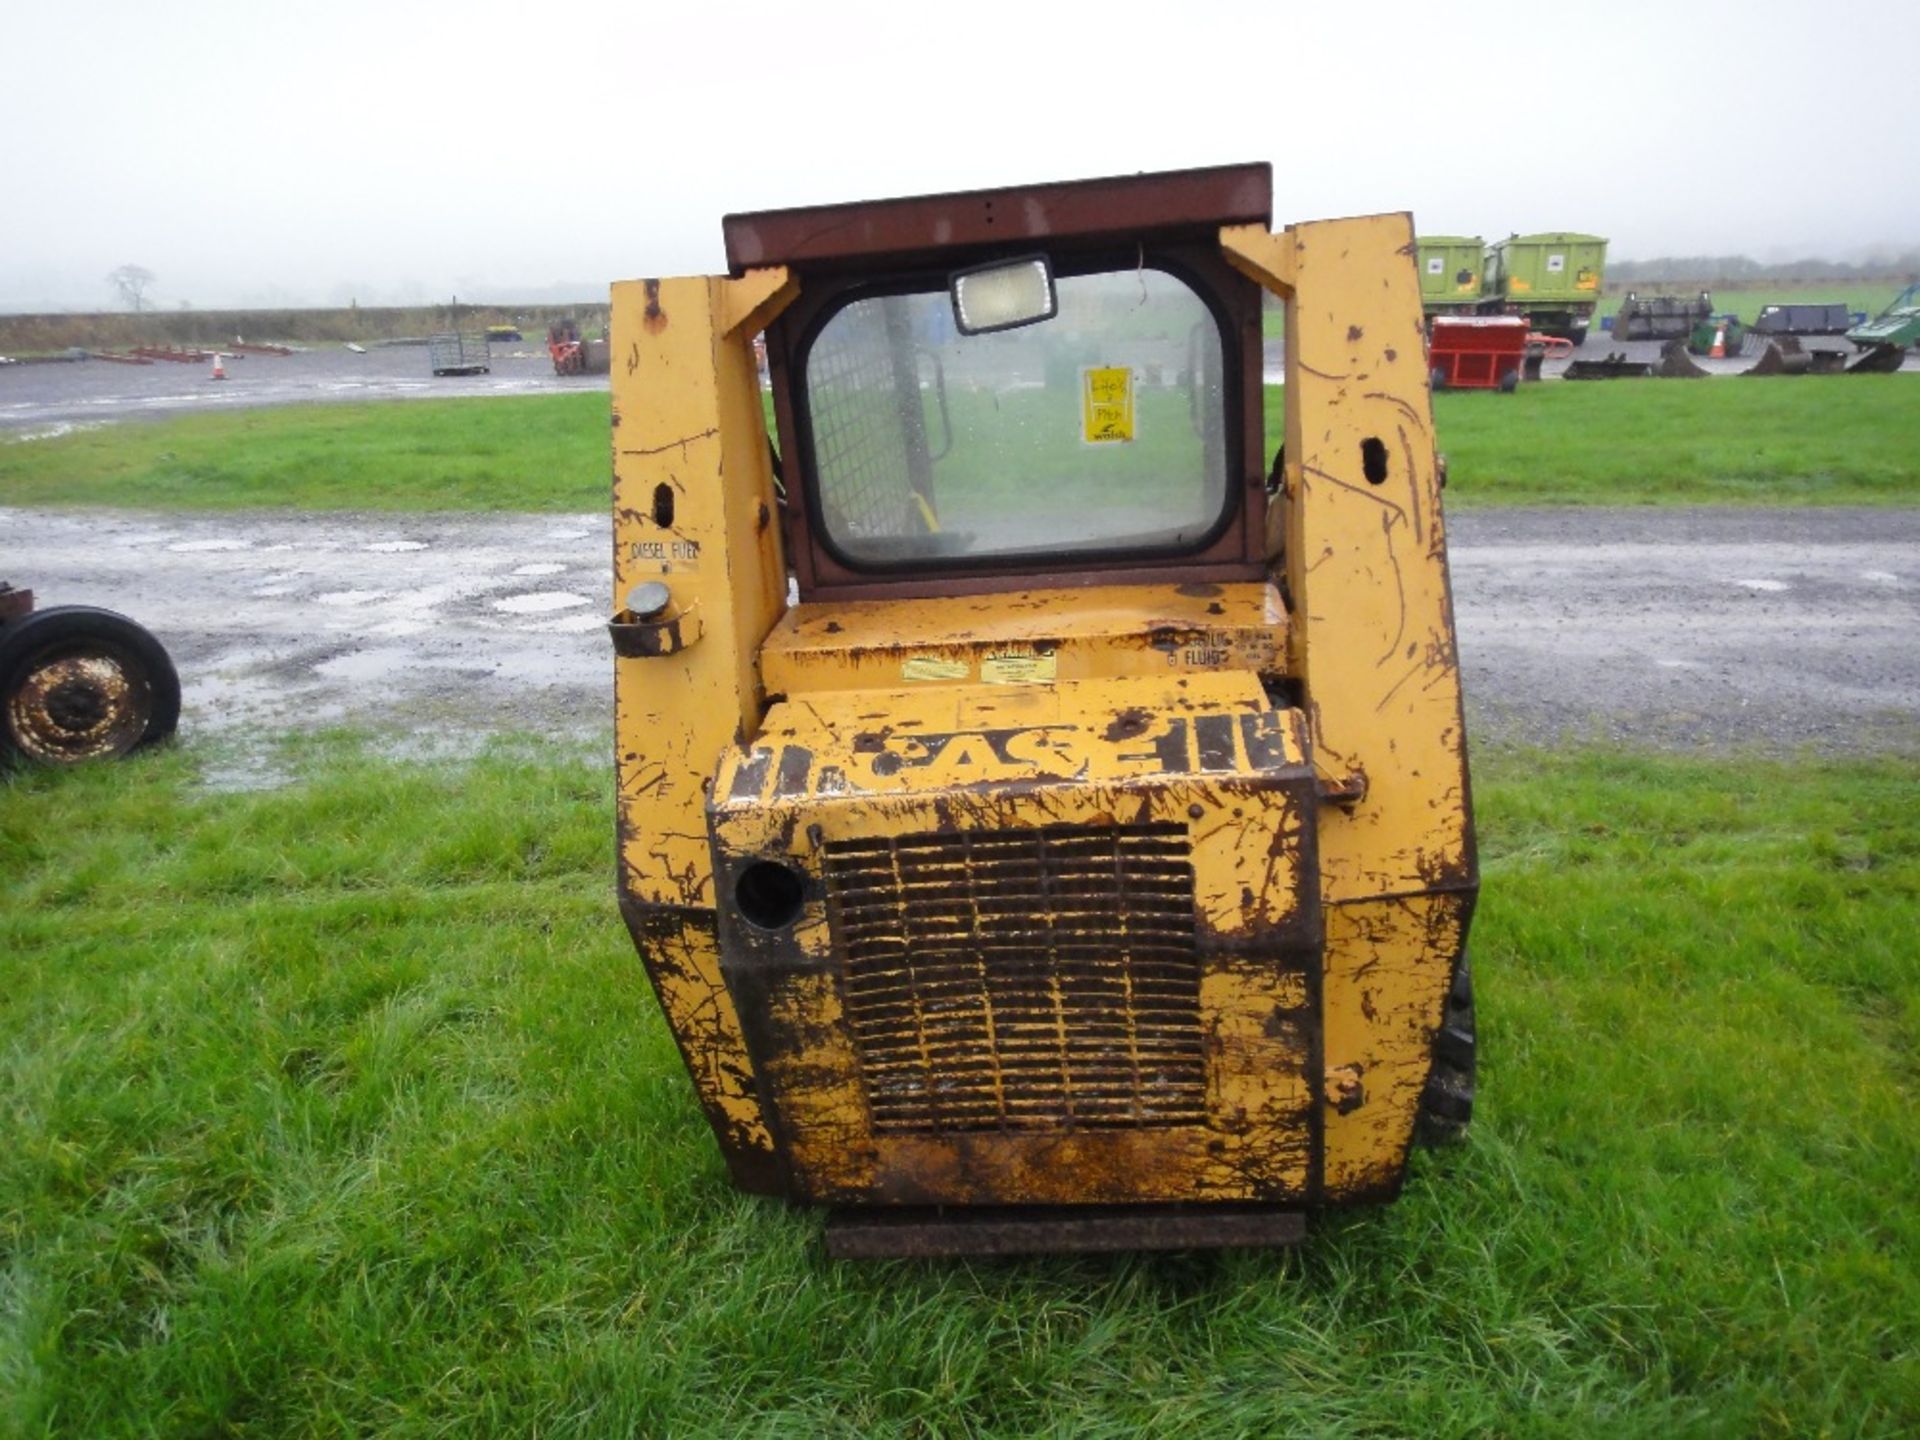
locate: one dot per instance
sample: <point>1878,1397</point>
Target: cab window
<point>1098,430</point>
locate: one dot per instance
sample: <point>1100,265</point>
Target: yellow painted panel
<point>1373,635</point>
<point>683,962</point>
<point>818,1078</point>
<point>1388,965</point>
<point>1078,634</point>
<point>1258,1020</point>
<point>689,449</point>
<point>1204,752</point>
<point>910,741</point>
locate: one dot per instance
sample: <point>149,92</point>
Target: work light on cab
<point>1004,295</point>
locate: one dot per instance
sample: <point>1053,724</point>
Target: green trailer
<point>1552,278</point>
<point>1897,325</point>
<point>1450,273</point>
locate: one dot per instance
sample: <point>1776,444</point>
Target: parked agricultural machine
<point>1802,320</point>
<point>1690,328</point>
<point>1551,279</point>
<point>1894,328</point>
<point>1450,273</point>
<point>1042,791</point>
<point>1661,317</point>
<point>1478,352</point>
<point>572,355</point>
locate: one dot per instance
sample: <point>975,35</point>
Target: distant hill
<point>1711,270</point>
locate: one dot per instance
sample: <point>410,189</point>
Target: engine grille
<point>1023,979</point>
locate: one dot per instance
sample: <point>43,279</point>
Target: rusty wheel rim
<point>73,707</point>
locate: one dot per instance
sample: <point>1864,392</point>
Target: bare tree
<point>131,281</point>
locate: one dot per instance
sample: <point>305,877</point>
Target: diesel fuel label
<point>668,554</point>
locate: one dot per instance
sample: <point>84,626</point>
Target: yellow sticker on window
<point>1013,668</point>
<point>1106,405</point>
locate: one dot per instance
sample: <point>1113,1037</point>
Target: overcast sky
<point>261,153</point>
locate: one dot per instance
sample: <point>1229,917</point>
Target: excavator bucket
<point>1677,362</point>
<point>1778,360</point>
<point>1615,366</point>
<point>1880,360</point>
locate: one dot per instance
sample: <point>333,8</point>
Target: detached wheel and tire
<point>79,683</point>
<point>1446,1105</point>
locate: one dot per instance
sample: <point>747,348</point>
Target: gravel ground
<point>1688,629</point>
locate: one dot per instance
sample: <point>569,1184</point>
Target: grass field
<point>343,1107</point>
<point>1654,442</point>
<point>1843,440</point>
<point>547,452</point>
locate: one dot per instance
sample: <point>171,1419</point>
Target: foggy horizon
<point>257,159</point>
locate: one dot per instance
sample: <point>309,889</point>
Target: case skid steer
<point>1043,805</point>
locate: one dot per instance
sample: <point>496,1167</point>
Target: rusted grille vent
<point>1023,979</point>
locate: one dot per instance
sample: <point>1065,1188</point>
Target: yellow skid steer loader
<point>1043,803</point>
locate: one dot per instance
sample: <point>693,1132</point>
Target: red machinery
<point>1477,352</point>
<point>571,354</point>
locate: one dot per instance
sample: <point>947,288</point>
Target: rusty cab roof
<point>1164,205</point>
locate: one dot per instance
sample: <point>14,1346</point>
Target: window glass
<point>1100,429</point>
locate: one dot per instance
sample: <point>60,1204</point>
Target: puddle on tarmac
<point>371,664</point>
<point>539,602</point>
<point>394,547</point>
<point>566,534</point>
<point>1769,586</point>
<point>348,597</point>
<point>540,569</point>
<point>186,547</point>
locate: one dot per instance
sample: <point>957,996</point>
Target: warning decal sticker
<point>1106,405</point>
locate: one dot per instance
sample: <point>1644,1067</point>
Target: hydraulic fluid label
<point>1019,669</point>
<point>1106,405</point>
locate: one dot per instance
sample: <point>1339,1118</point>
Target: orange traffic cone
<point>219,366</point>
<point>1718,350</point>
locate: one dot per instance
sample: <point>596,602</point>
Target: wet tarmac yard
<point>1771,630</point>
<point>53,397</point>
